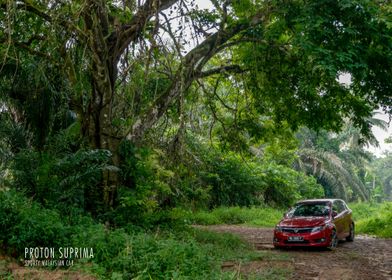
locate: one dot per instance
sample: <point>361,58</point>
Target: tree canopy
<point>125,69</point>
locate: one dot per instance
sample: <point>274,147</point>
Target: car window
<point>338,206</point>
<point>307,210</point>
<point>345,207</point>
<point>335,207</point>
<point>342,206</point>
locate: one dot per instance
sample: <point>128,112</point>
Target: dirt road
<point>366,258</point>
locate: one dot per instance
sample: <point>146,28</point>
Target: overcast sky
<point>381,135</point>
<point>378,132</point>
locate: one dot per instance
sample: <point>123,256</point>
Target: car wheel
<point>334,241</point>
<point>352,233</point>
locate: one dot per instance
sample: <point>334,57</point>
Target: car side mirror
<point>334,214</point>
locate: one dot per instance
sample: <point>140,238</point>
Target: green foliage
<point>338,161</point>
<point>363,210</point>
<point>68,183</point>
<point>302,51</point>
<point>381,170</point>
<point>190,254</point>
<point>25,224</point>
<point>232,181</point>
<point>187,254</point>
<point>239,181</point>
<point>285,185</point>
<point>107,244</point>
<point>260,216</point>
<point>34,96</point>
<point>373,219</point>
<point>149,257</point>
<point>215,180</point>
<point>146,187</point>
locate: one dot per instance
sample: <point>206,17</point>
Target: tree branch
<point>35,52</point>
<point>30,8</point>
<point>189,69</point>
<point>132,31</point>
<point>220,70</point>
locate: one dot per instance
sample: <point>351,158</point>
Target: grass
<point>178,253</point>
<point>254,216</point>
<point>4,273</point>
<point>370,218</point>
<point>373,218</point>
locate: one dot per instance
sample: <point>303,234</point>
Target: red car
<point>315,223</point>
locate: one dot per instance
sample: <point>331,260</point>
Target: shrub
<point>118,254</point>
<point>260,216</point>
<point>25,224</point>
<point>364,210</point>
<point>68,183</point>
<point>286,186</point>
<point>147,257</point>
<point>189,254</point>
<point>235,181</point>
<point>232,181</point>
<point>375,219</point>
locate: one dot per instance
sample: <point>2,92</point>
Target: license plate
<point>295,238</point>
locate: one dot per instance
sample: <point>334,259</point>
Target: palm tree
<point>320,155</point>
<point>332,173</point>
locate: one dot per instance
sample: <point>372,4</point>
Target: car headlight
<point>278,229</point>
<point>317,229</point>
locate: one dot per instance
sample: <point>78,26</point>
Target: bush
<point>225,245</point>
<point>232,181</point>
<point>147,257</point>
<point>146,188</point>
<point>236,182</point>
<point>364,210</point>
<point>25,224</point>
<point>286,186</point>
<point>259,216</point>
<point>189,254</point>
<point>374,219</point>
<point>118,254</point>
<point>68,183</point>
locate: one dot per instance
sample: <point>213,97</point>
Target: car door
<point>339,219</point>
<point>347,217</point>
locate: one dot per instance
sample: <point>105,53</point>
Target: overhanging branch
<point>131,31</point>
<point>188,71</point>
<point>220,70</point>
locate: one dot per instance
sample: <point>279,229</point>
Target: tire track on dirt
<point>367,258</point>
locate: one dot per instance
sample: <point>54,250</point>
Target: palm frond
<point>332,172</point>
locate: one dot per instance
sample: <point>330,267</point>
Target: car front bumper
<point>313,239</point>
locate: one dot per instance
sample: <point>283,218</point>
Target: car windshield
<point>309,209</point>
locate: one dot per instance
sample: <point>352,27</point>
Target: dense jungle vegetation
<point>124,122</point>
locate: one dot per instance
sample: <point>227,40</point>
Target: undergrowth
<point>374,219</point>
<point>257,216</point>
<point>123,253</point>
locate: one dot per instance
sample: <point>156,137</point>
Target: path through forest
<point>366,258</point>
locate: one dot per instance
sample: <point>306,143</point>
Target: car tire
<point>350,238</point>
<point>334,241</point>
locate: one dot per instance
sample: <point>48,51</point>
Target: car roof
<point>331,200</point>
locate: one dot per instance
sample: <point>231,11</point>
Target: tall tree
<point>338,161</point>
<point>127,63</point>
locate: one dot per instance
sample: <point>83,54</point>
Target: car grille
<point>297,230</point>
<point>296,242</point>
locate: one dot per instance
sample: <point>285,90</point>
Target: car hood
<point>303,222</point>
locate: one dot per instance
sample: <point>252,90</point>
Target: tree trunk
<point>106,43</point>
<point>97,117</point>
<point>98,130</point>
